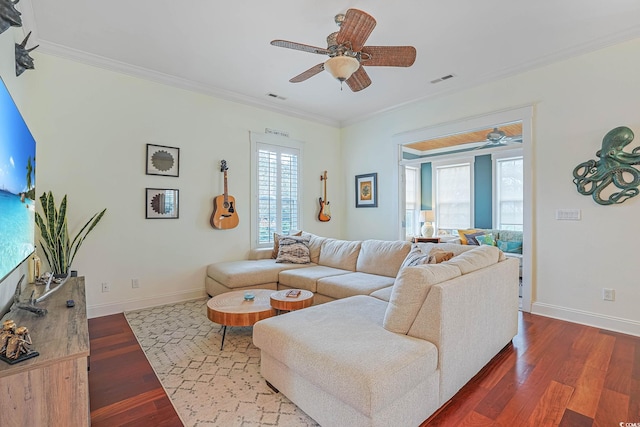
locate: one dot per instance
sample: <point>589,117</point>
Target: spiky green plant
<point>59,250</point>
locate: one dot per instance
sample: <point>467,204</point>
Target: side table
<point>426,240</point>
<point>281,302</point>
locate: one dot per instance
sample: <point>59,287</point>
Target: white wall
<point>576,102</point>
<point>92,127</point>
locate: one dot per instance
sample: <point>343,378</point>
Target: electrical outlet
<point>135,283</point>
<point>106,286</point>
<point>608,294</point>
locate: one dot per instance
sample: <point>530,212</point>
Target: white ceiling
<point>222,48</point>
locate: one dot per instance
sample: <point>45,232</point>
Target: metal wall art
<point>614,167</point>
<point>163,160</point>
<point>23,60</point>
<point>162,203</point>
<point>9,15</point>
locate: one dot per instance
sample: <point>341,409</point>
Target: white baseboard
<point>610,323</point>
<point>136,304</point>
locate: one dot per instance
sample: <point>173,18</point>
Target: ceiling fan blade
<point>309,73</point>
<point>359,80</point>
<point>300,46</point>
<point>388,56</point>
<point>356,28</point>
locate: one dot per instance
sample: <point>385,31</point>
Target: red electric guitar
<point>325,212</point>
<point>224,214</point>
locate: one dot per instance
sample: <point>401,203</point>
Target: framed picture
<point>367,190</point>
<point>162,160</point>
<point>161,203</point>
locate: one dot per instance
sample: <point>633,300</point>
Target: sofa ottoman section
<point>246,274</point>
<point>339,352</point>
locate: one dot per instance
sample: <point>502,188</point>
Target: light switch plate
<point>568,214</point>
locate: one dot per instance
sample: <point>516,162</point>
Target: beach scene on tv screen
<point>17,186</point>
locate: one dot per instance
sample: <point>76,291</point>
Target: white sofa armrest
<point>260,253</point>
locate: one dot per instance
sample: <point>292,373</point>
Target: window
<point>453,195</point>
<point>276,177</point>
<point>509,185</point>
<point>412,200</point>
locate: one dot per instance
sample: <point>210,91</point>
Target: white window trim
<point>262,138</point>
<point>418,190</point>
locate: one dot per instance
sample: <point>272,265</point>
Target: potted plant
<point>59,250</point>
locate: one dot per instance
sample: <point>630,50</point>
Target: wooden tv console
<point>51,389</point>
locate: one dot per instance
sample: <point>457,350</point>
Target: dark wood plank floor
<point>123,389</point>
<point>554,373</point>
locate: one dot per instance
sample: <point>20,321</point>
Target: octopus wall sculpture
<point>614,167</point>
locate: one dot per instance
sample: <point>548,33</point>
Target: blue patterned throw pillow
<point>487,239</point>
<point>511,247</point>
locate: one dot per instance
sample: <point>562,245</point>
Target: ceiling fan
<point>347,53</point>
<point>497,138</point>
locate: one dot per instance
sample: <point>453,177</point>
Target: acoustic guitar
<point>224,214</point>
<point>325,213</point>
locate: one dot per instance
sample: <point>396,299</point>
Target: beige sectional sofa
<point>338,269</point>
<point>390,345</point>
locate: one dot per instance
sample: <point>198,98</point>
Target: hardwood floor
<point>554,373</point>
<point>123,389</point>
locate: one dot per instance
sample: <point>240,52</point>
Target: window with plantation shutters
<point>277,189</point>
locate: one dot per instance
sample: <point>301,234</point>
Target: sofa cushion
<point>276,243</point>
<point>342,348</point>
<point>382,257</point>
<point>477,258</point>
<point>383,294</point>
<point>293,249</point>
<point>341,254</point>
<point>238,274</point>
<point>315,243</point>
<point>306,278</point>
<point>347,285</point>
<point>409,292</point>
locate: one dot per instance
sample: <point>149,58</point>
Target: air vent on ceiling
<point>273,95</point>
<point>443,78</point>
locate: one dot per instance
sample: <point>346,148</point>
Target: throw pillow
<point>471,238</point>
<point>463,238</point>
<point>276,242</point>
<point>294,250</point>
<point>511,247</point>
<point>415,257</point>
<point>487,239</point>
<point>437,255</point>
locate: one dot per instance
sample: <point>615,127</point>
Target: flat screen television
<point>17,186</point>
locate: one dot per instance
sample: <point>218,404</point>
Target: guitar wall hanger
<point>224,214</point>
<point>325,213</point>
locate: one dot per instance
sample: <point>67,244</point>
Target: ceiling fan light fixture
<point>341,67</point>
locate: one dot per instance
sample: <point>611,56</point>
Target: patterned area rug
<point>207,386</point>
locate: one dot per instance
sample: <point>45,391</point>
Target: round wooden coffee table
<point>231,309</point>
<point>280,301</point>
